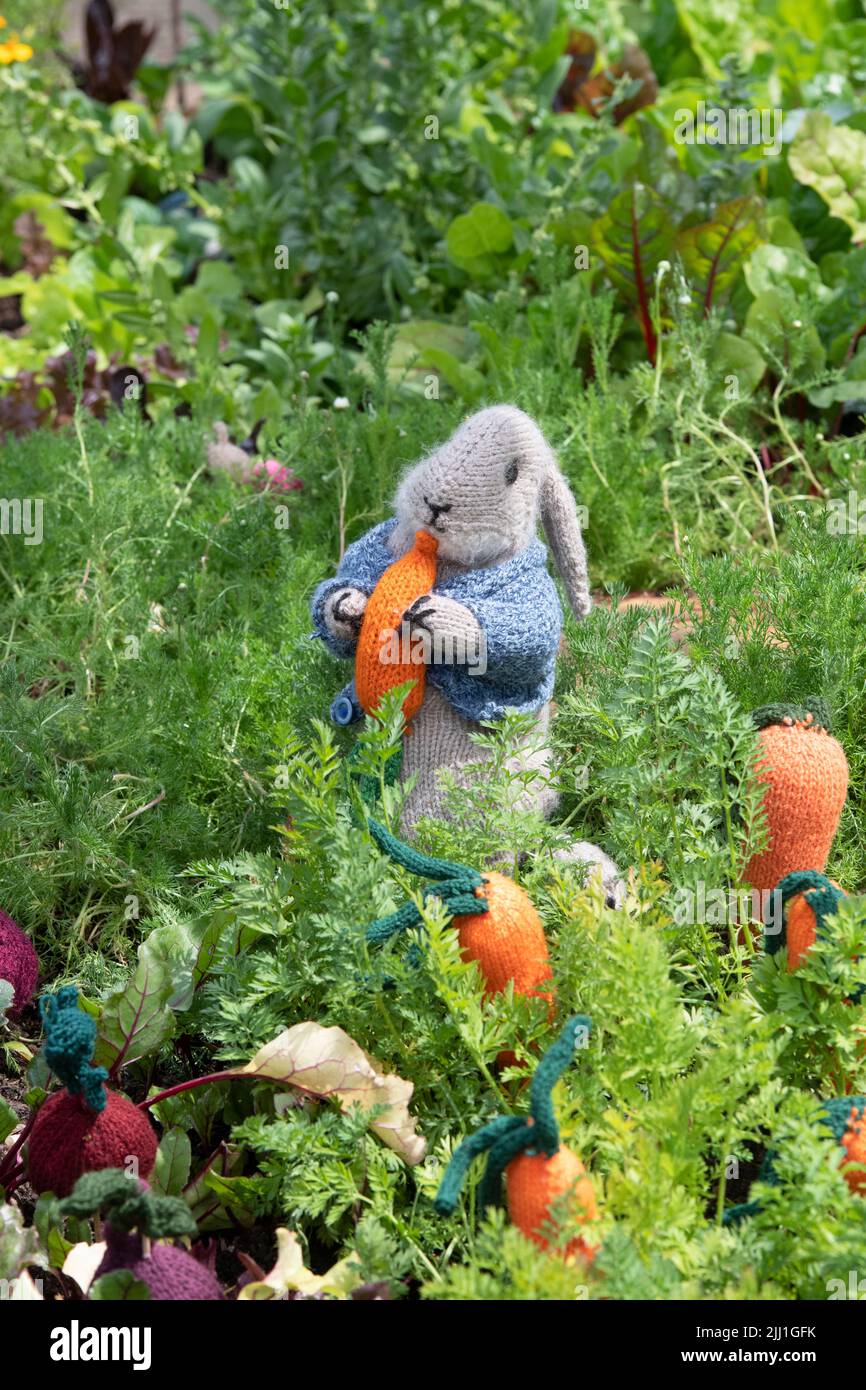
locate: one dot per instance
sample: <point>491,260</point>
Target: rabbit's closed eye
<point>511,471</point>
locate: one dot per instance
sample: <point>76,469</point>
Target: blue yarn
<point>70,1036</point>
<point>516,604</point>
<point>344,707</point>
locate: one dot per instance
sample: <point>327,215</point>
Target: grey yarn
<point>482,494</point>
<point>515,602</point>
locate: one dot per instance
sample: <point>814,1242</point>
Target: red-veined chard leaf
<point>326,1062</point>
<point>136,1019</point>
<point>630,239</point>
<point>713,252</point>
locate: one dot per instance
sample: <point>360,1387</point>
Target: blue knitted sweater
<point>515,603</point>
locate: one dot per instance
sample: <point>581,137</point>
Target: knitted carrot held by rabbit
<point>804,772</point>
<point>382,627</point>
<point>540,1172</point>
<point>496,921</point>
<point>86,1127</point>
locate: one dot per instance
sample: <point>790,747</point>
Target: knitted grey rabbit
<point>493,615</point>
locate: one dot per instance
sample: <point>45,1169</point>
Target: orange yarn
<point>535,1182</point>
<point>805,773</point>
<point>854,1143</point>
<point>402,583</point>
<point>800,928</point>
<point>507,940</point>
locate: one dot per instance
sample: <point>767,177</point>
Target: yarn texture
<point>845,1117</point>
<point>129,1203</point>
<point>70,1036</point>
<point>539,1171</point>
<point>804,772</point>
<point>808,899</point>
<point>69,1139</point>
<point>401,584</point>
<point>171,1274</point>
<point>86,1127</point>
<point>507,940</point>
<point>854,1143</point>
<point>168,1271</point>
<point>496,920</point>
<point>514,602</point>
<point>19,963</point>
<point>493,607</point>
<point>535,1183</point>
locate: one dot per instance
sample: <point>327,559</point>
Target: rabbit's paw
<point>455,630</point>
<point>599,864</point>
<point>343,612</point>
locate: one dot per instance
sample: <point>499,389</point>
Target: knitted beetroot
<point>540,1173</point>
<point>68,1139</point>
<point>408,579</point>
<point>18,962</point>
<point>170,1273</point>
<point>86,1127</point>
<point>805,777</point>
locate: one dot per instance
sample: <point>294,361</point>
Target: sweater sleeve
<point>521,622</point>
<point>361,568</point>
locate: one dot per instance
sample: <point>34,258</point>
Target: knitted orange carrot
<point>845,1117</point>
<point>497,923</point>
<point>805,777</point>
<point>850,1112</point>
<point>807,899</point>
<point>539,1172</point>
<point>507,939</point>
<point>376,670</point>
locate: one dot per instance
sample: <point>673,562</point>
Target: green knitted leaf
<point>70,1035</point>
<point>509,1135</point>
<point>127,1205</point>
<point>822,895</point>
<point>779,712</point>
<point>836,1113</point>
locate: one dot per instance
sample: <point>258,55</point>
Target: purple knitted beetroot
<point>170,1273</point>
<point>19,963</point>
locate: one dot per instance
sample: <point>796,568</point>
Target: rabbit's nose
<point>436,509</point>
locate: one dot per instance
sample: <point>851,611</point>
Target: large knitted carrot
<point>497,923</point>
<point>378,667</point>
<point>805,776</point>
<point>539,1171</point>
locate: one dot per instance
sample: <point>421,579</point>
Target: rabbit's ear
<point>562,528</point>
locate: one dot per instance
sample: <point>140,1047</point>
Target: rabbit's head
<point>481,493</point>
